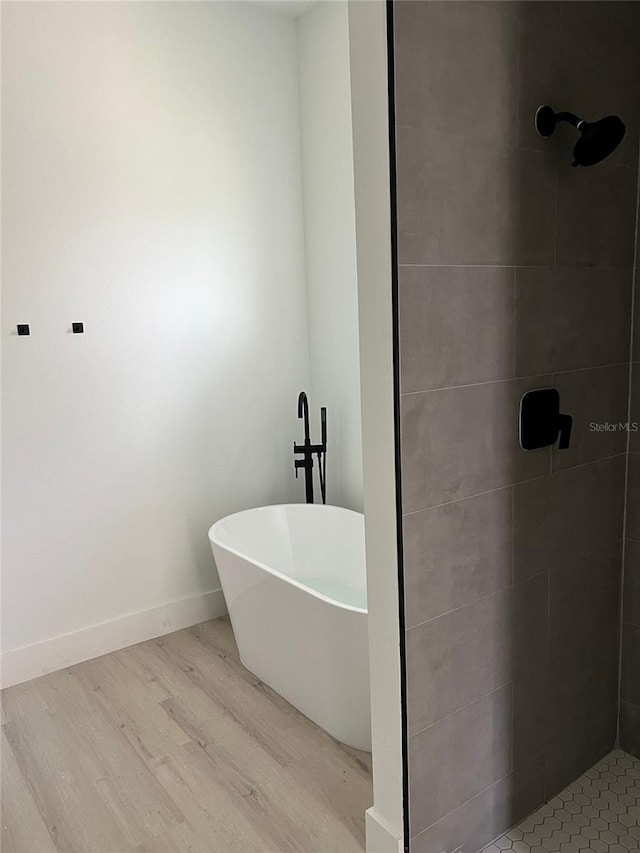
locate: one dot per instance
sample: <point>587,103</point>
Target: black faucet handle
<point>541,422</point>
<point>565,422</point>
<point>308,449</point>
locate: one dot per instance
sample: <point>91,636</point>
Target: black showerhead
<point>597,140</point>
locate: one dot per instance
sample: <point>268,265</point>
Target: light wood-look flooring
<point>172,745</point>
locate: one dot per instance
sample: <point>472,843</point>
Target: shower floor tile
<point>598,812</point>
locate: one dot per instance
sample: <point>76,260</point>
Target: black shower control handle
<point>541,423</point>
<point>565,422</point>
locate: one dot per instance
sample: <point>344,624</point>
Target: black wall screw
<point>23,329</point>
<point>77,328</point>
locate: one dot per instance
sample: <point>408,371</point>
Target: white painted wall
<point>368,57</point>
<point>152,190</point>
<point>330,242</point>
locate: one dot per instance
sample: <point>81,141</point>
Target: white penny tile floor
<point>598,812</point>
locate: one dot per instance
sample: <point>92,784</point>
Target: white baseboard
<point>68,649</point>
<point>381,836</point>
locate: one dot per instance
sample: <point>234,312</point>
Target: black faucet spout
<point>303,412</point>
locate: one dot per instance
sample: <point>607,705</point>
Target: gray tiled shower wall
<point>515,272</point>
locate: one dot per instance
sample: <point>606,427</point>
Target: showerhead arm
<point>572,119</point>
<point>547,119</point>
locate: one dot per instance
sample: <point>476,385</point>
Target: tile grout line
<point>495,690</point>
<point>555,215</point>
<point>466,802</point>
<point>517,378</point>
<point>591,267</point>
<point>506,149</point>
<point>514,321</point>
<point>578,556</point>
<point>634,283</point>
<point>517,483</point>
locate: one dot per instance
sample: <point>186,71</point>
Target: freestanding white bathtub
<point>294,580</point>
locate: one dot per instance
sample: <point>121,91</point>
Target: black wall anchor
<point>23,329</point>
<point>77,328</point>
<point>541,423</point>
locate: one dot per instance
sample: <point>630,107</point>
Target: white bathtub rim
<point>326,598</point>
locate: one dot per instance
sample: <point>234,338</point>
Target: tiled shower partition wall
<point>515,272</point>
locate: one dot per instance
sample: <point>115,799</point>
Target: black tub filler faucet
<point>308,450</point>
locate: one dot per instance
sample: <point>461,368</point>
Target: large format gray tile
<point>596,216</point>
<point>456,326</point>
<point>630,728</point>
<point>630,672</point>
<point>584,597</point>
<point>486,815</point>
<point>471,749</point>
<point>459,657</point>
<point>597,399</point>
<point>553,698</point>
<point>456,67</point>
<point>464,201</point>
<point>636,322</point>
<point>539,35</point>
<point>455,554</point>
<point>463,441</point>
<point>570,318</point>
<point>634,408</point>
<point>583,681</point>
<point>631,593</point>
<point>632,529</point>
<point>531,712</point>
<point>599,67</point>
<point>577,750</point>
<point>568,513</point>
